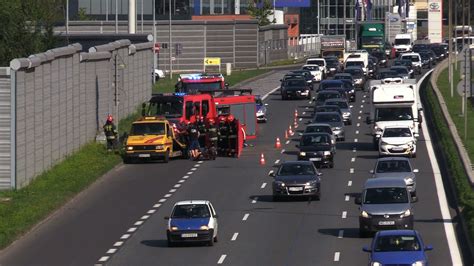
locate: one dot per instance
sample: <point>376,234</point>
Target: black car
<point>333,65</point>
<point>317,148</point>
<point>420,47</point>
<point>328,108</point>
<point>431,54</point>
<point>324,95</point>
<point>426,60</point>
<point>305,73</point>
<point>346,85</point>
<point>439,51</point>
<point>381,57</point>
<point>406,63</point>
<point>296,179</point>
<point>358,76</point>
<point>295,88</point>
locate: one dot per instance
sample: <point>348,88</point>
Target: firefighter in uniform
<point>212,133</point>
<point>222,136</point>
<point>232,139</point>
<point>111,133</point>
<point>201,125</point>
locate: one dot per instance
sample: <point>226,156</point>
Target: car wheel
<point>211,242</point>
<point>350,122</point>
<point>166,159</point>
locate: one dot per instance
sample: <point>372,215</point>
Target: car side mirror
<point>415,170</point>
<point>358,200</point>
<point>371,171</point>
<point>271,173</point>
<point>366,249</point>
<point>167,217</point>
<point>428,247</point>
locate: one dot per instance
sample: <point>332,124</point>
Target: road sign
<point>212,61</point>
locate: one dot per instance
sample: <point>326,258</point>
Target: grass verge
<point>448,156</point>
<point>21,209</point>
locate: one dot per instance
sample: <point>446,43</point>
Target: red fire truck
<point>196,82</point>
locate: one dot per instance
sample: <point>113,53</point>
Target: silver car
<point>396,167</point>
<point>345,109</point>
<point>334,120</point>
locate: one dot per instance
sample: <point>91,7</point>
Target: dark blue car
<point>397,247</point>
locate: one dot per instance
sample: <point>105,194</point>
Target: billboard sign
<point>435,17</point>
<point>332,42</point>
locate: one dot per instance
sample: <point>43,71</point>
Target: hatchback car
<point>396,167</point>
<point>344,107</point>
<point>295,88</point>
<point>384,204</point>
<point>317,148</point>
<point>192,221</point>
<point>296,179</point>
<point>398,247</point>
<point>397,140</point>
<point>334,120</point>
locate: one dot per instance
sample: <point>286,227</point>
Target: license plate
<point>189,235</point>
<point>398,149</point>
<point>295,189</point>
<point>315,159</point>
<point>387,223</point>
<point>144,155</point>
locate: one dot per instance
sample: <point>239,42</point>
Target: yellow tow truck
<point>152,138</point>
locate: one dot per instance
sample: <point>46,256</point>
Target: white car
<point>321,62</point>
<point>415,59</point>
<point>192,221</point>
<point>158,74</point>
<point>315,71</point>
<point>397,140</point>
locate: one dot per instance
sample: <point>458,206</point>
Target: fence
<point>59,100</point>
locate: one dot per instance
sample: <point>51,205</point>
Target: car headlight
<point>405,214</point>
<point>280,184</point>
<point>375,264</point>
<point>159,147</point>
<point>419,263</point>
<point>352,91</point>
<point>130,148</point>
<point>336,129</point>
<point>409,180</point>
<point>327,153</point>
<point>259,112</point>
<point>346,114</point>
<point>174,228</point>
<point>204,227</point>
<point>311,183</point>
<point>364,214</point>
<point>302,153</point>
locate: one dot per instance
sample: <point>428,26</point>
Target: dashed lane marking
<point>301,119</point>
<point>337,255</point>
<point>162,200</point>
<point>341,234</point>
<point>359,117</point>
<point>103,259</point>
<point>246,216</point>
<point>186,176</point>
<point>277,161</point>
<point>360,112</point>
<point>125,236</point>
<point>182,181</point>
<point>193,169</point>
<point>234,237</point>
<point>144,217</point>
<point>254,200</point>
<point>287,142</point>
<point>344,215</point>
<point>362,106</point>
<point>221,259</point>
<point>118,243</point>
<point>137,223</point>
<point>131,230</point>
<point>356,140</point>
<point>351,170</point>
<point>167,195</point>
<point>354,149</point>
<point>177,186</point>
<point>156,205</point>
<point>197,165</point>
<point>347,198</point>
<point>172,190</point>
<point>111,251</point>
<point>151,211</point>
<point>349,183</point>
<point>353,159</point>
<point>363,101</point>
<point>263,185</point>
<point>357,132</point>
<point>189,173</point>
<point>358,124</point>
<point>304,113</point>
<point>200,161</point>
<point>283,151</point>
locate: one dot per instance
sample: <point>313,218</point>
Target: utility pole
<point>106,10</point>
<point>466,76</point>
<point>116,16</point>
<point>132,16</point>
<point>450,46</point>
<point>155,63</point>
<point>456,23</point>
<point>170,46</point>
<point>67,18</point>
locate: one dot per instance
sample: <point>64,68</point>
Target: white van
<point>403,43</point>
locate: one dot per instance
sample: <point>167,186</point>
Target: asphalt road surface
<point>119,220</point>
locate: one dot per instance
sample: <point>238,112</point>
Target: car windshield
<point>400,70</point>
<point>296,169</point>
<point>402,132</point>
<point>148,129</point>
<point>425,56</point>
<point>193,87</point>
<point>324,118</point>
<point>331,84</point>
<point>328,109</point>
<point>315,62</point>
<point>341,104</point>
<point>393,114</point>
<point>314,129</point>
<point>386,195</point>
<point>393,166</point>
<point>312,140</point>
<point>354,63</point>
<point>397,243</point>
<point>295,83</point>
<point>402,62</point>
<point>355,72</point>
<point>312,68</point>
<point>343,77</point>
<point>402,41</point>
<point>388,74</point>
<point>292,77</point>
<point>413,58</point>
<point>168,108</point>
<point>324,96</point>
<point>190,211</point>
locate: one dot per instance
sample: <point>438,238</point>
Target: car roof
<point>397,126</point>
<point>332,81</point>
<point>353,67</point>
<point>394,158</point>
<point>297,162</point>
<point>187,202</point>
<point>328,92</point>
<point>315,133</point>
<point>344,74</point>
<point>409,54</point>
<point>384,182</point>
<point>335,100</point>
<point>397,233</point>
<point>318,125</point>
<point>327,113</point>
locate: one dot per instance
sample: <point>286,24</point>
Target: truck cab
<point>403,43</point>
<point>193,83</point>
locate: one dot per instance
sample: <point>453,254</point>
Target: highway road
<point>119,220</point>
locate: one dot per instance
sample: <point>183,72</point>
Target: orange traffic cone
<point>278,143</point>
<point>290,131</point>
<point>262,159</point>
<point>296,113</point>
<point>295,123</point>
<point>286,134</point>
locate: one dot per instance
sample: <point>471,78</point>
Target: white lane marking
<point>125,236</point>
<point>200,161</point>
<point>172,190</point>
<point>156,205</point>
<point>344,215</point>
<point>246,216</point>
<point>270,92</point>
<point>181,181</point>
<point>362,106</point>
<point>443,203</point>
<point>360,112</point>
<point>349,183</point>
<point>310,102</point>
<point>185,177</point>
<point>358,124</point>
<point>144,217</point>
<point>270,172</point>
<point>356,140</point>
<point>197,165</point>
<point>138,223</point>
<point>354,149</point>
<point>307,108</point>
<point>341,234</point>
<point>193,169</point>
<point>365,96</point>
<point>151,211</point>
<point>277,161</point>
<point>301,119</point>
<point>118,244</point>
<point>177,186</point>
<point>303,113</point>
<point>167,195</point>
<point>234,237</point>
<point>347,198</point>
<point>351,170</point>
<point>357,131</point>
<point>221,259</point>
<point>189,173</point>
<point>359,117</point>
<point>263,185</point>
<point>103,259</point>
<point>111,251</point>
<point>131,230</point>
<point>337,255</point>
<point>254,200</point>
<point>363,101</point>
<point>287,142</point>
<point>283,151</point>
<point>353,159</point>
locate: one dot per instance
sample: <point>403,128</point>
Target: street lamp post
<point>116,16</point>
<point>155,63</point>
<point>170,46</point>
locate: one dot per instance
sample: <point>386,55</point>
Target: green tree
<point>261,10</point>
<point>82,14</point>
